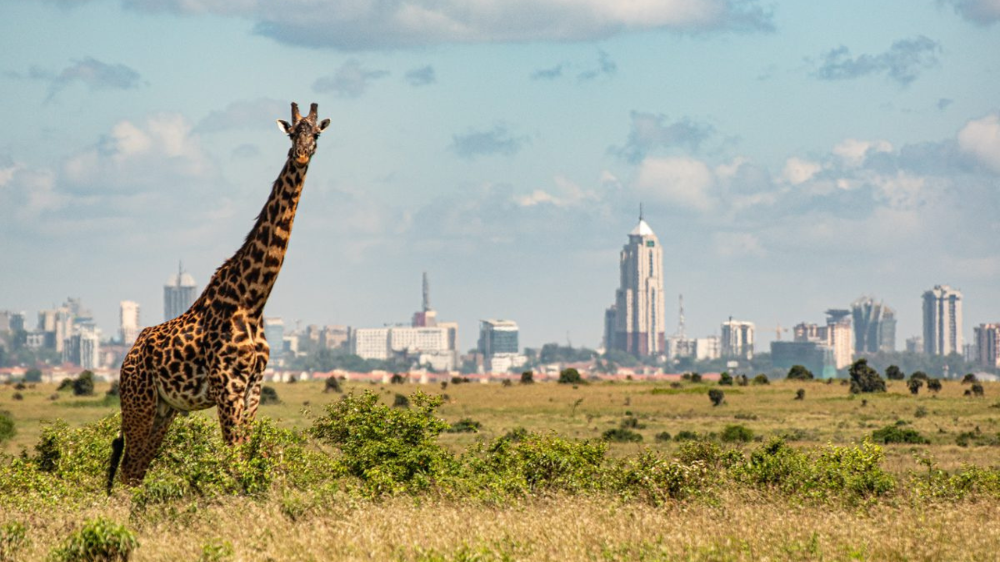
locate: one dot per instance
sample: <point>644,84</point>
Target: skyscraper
<point>942,321</point>
<point>426,317</point>
<point>988,345</point>
<point>179,294</point>
<point>129,321</point>
<point>874,326</point>
<point>499,346</point>
<point>737,339</point>
<point>635,323</point>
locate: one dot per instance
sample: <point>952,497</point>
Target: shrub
<point>570,376</point>
<point>631,422</point>
<point>84,384</point>
<point>864,379</point>
<point>934,385</point>
<point>716,396</point>
<point>737,434</point>
<point>761,378</point>
<point>397,378</point>
<point>800,373</point>
<point>268,396</point>
<point>920,412</point>
<point>893,373</point>
<point>65,384</point>
<point>100,540</point>
<point>695,377</point>
<point>897,434</point>
<point>332,384</point>
<point>32,375</point>
<point>621,435</point>
<point>800,394</point>
<point>20,386</point>
<point>536,462</point>
<point>17,396</point>
<point>464,425</point>
<point>977,390</point>
<point>914,385</point>
<point>115,389</point>
<point>919,376</point>
<point>969,378</point>
<point>388,449</point>
<point>725,379</point>
<point>13,538</point>
<point>527,377</point>
<point>685,435</point>
<point>662,437</point>
<point>506,383</point>
<point>7,429</point>
<point>400,401</point>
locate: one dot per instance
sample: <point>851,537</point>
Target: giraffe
<point>215,353</point>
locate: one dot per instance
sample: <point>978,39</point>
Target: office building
<point>737,339</point>
<point>942,321</point>
<point>987,348</point>
<point>498,343</point>
<point>128,325</point>
<point>83,347</point>
<point>426,317</point>
<point>55,325</point>
<point>635,322</point>
<point>424,346</point>
<point>179,294</point>
<point>813,355</point>
<point>274,333</point>
<point>836,335</point>
<point>874,326</point>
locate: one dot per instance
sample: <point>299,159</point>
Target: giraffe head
<point>303,131</point>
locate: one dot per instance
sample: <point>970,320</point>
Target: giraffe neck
<point>245,281</point>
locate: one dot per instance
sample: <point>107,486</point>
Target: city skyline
<point>790,156</point>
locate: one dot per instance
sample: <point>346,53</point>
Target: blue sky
<point>791,156</point>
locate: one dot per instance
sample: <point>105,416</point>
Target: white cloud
<point>983,12</point>
<point>681,181</point>
<point>569,194</point>
<point>981,138</point>
<point>737,244</point>
<point>798,171</point>
<point>853,152</point>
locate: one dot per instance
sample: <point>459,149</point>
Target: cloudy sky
<point>791,156</point>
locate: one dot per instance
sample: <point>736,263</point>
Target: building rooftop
<point>642,229</point>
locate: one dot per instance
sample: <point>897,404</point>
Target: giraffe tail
<point>117,448</point>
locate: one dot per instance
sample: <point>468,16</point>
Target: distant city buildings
<point>128,321</point>
<point>11,321</point>
<point>736,339</point>
<point>635,322</point>
<point>987,348</point>
<point>915,344</point>
<point>942,321</point>
<point>179,294</point>
<point>498,343</point>
<point>874,326</point>
<point>274,333</point>
<point>83,348</point>
<point>836,336</point>
<point>816,356</point>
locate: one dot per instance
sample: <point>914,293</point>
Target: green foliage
<point>100,540</point>
<point>934,385</point>
<point>893,373</point>
<point>66,384</point>
<point>686,435</point>
<point>716,396</point>
<point>864,379</point>
<point>919,376</point>
<point>464,425</point>
<point>7,429</point>
<point>269,396</point>
<point>800,373</point>
<point>800,394</point>
<point>84,384</point>
<point>114,390</point>
<point>737,434</point>
<point>387,449</point>
<point>977,389</point>
<point>215,551</point>
<point>527,377</point>
<point>662,437</point>
<point>897,434</point>
<point>725,379</point>
<point>555,353</point>
<point>760,379</point>
<point>914,385</point>
<point>621,435</point>
<point>13,539</point>
<point>977,438</point>
<point>969,378</point>
<point>570,376</point>
<point>655,480</point>
<point>631,422</point>
<point>400,401</point>
<point>332,385</point>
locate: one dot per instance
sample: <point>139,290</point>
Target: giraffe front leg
<point>232,405</point>
<point>253,399</point>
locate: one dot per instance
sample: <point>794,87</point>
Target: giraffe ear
<point>324,124</point>
<point>284,127</point>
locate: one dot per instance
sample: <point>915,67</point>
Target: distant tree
<point>33,375</point>
<point>742,380</point>
<point>716,396</point>
<point>570,376</point>
<point>397,378</point>
<point>800,394</point>
<point>695,377</point>
<point>977,389</point>
<point>84,384</point>
<point>401,401</point>
<point>527,377</point>
<point>268,395</point>
<point>934,385</point>
<point>555,353</point>
<point>115,389</point>
<point>893,373</point>
<point>865,379</point>
<point>332,385</point>
<point>914,385</point>
<point>761,378</point>
<point>969,378</point>
<point>7,429</point>
<point>725,379</point>
<point>919,376</point>
<point>800,373</point>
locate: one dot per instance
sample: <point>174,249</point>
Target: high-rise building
<point>737,339</point>
<point>83,348</point>
<point>426,317</point>
<point>988,345</point>
<point>874,326</point>
<point>55,325</point>
<point>635,322</point>
<point>128,326</point>
<point>498,343</point>
<point>274,332</point>
<point>179,294</point>
<point>836,336</point>
<point>942,321</point>
<point>11,321</point>
<point>426,346</point>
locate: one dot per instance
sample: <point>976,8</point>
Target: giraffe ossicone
<point>215,353</point>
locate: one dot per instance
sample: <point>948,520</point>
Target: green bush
<point>32,375</point>
<point>655,479</point>
<point>716,396</point>
<point>13,539</point>
<point>919,376</point>
<point>725,379</point>
<point>662,437</point>
<point>760,379</point>
<point>914,385</point>
<point>66,384</point>
<point>893,373</point>
<point>100,540</point>
<point>631,422</point>
<point>7,429</point>
<point>969,378</point>
<point>527,377</point>
<point>464,425</point>
<point>400,401</point>
<point>736,434</point>
<point>800,373</point>
<point>332,385</point>
<point>535,463</point>
<point>84,384</point>
<point>621,435</point>
<point>115,389</point>
<point>800,394</point>
<point>864,379</point>
<point>570,376</point>
<point>686,435</point>
<point>269,396</point>
<point>897,434</point>
<point>388,449</point>
<point>934,385</point>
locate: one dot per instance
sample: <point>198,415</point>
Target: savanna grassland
<point>762,477</point>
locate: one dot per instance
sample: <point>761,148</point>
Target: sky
<point>791,156</point>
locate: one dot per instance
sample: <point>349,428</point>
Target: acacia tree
<point>716,396</point>
<point>914,386</point>
<point>894,373</point>
<point>800,373</point>
<point>864,379</point>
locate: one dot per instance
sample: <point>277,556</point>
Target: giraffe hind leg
<point>145,420</point>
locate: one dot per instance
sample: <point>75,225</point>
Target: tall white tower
<point>942,321</point>
<point>635,323</point>
<point>129,321</point>
<point>179,294</point>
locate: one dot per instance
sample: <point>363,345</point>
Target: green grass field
<point>731,523</point>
